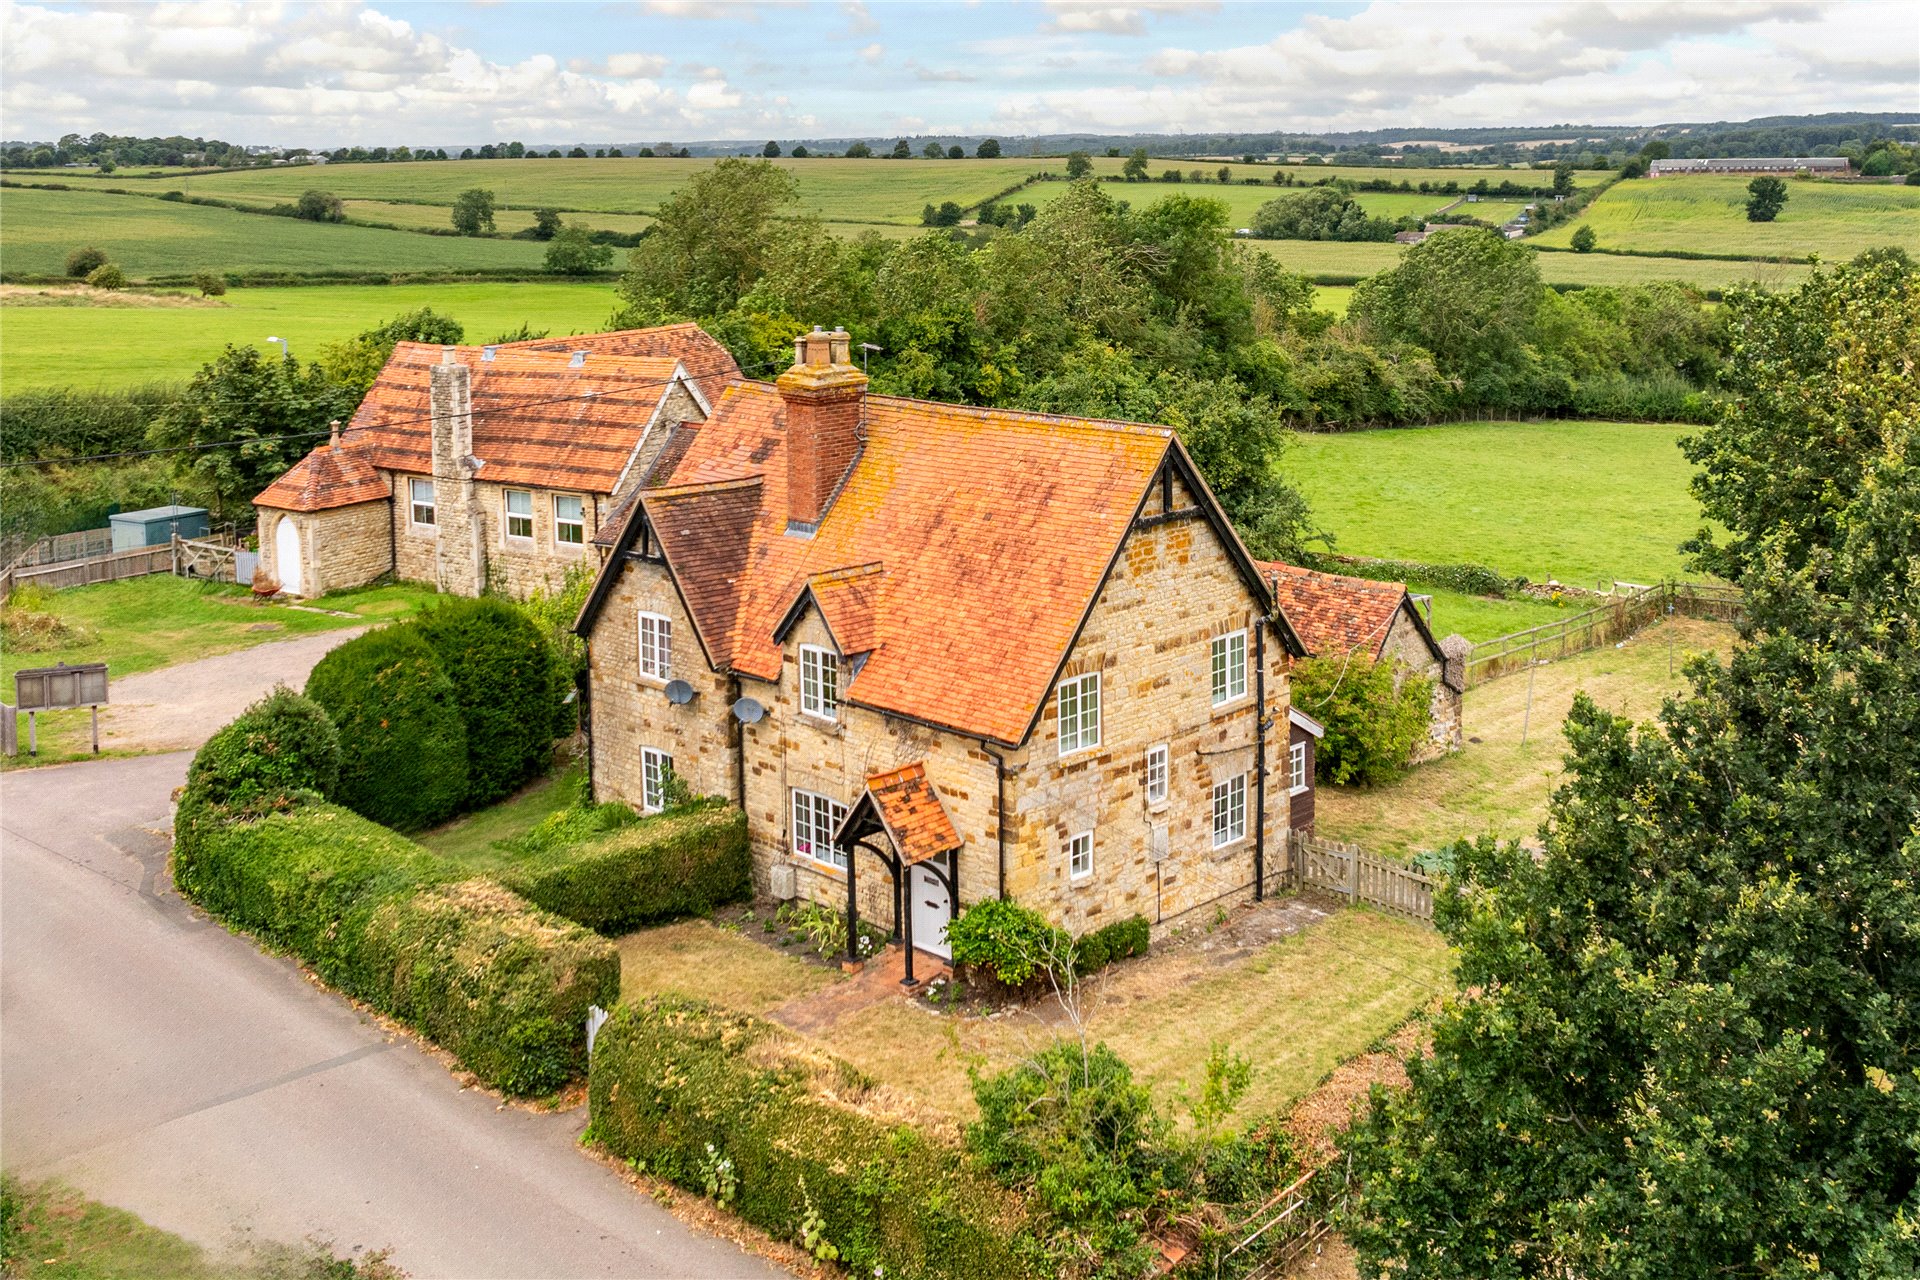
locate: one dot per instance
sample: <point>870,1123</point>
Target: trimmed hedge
<point>508,686</point>
<point>403,743</point>
<point>1467,577</point>
<point>501,985</point>
<point>682,1086</point>
<point>681,863</point>
<point>1095,951</point>
<point>270,756</point>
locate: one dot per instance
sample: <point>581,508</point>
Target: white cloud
<point>873,53</point>
<point>1113,19</point>
<point>860,20</point>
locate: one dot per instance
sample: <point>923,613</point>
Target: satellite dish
<point>747,711</point>
<point>679,692</point>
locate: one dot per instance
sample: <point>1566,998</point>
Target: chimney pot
<point>578,361</point>
<point>333,434</point>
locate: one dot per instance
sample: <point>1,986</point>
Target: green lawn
<point>470,838</point>
<point>1582,502</point>
<point>148,237</point>
<point>141,624</point>
<point>119,346</point>
<point>1481,618</point>
<point>1321,258</point>
<point>1708,214</point>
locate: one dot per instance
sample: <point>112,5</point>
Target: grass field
<point>1708,214</point>
<point>1321,258</point>
<point>1496,784</point>
<point>148,237</point>
<point>1576,501</point>
<point>117,346</point>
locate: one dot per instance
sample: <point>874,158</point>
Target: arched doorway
<point>286,556</point>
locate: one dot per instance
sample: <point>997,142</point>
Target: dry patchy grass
<point>1496,785</point>
<point>698,959</point>
<point>83,295</point>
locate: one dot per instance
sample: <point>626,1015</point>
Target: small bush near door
<point>725,1104</point>
<point>403,742</point>
<point>1374,715</point>
<point>1123,938</point>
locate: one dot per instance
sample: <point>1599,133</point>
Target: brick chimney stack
<point>825,396</point>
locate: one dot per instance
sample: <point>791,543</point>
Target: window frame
<point>1233,793</point>
<point>823,703</point>
<point>663,646</point>
<point>835,812</point>
<point>432,504</point>
<point>655,767</point>
<point>1158,761</point>
<point>1075,843</point>
<point>1222,670</point>
<point>1078,685</point>
<point>1297,777</point>
<point>561,523</point>
<point>508,515</point>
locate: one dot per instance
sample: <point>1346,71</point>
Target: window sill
<point>1159,806</point>
<point>1235,703</point>
<point>1298,791</point>
<point>807,862</point>
<point>1227,850</point>
<point>645,681</point>
<point>823,723</point>
<point>1082,881</point>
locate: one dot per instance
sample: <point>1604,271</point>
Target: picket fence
<point>1359,876</point>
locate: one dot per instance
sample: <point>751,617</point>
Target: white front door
<point>286,556</point>
<point>932,911</point>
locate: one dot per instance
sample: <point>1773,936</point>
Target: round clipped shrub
<point>507,684</point>
<point>107,276</point>
<point>403,742</point>
<point>271,756</point>
<point>82,262</point>
<point>1010,943</point>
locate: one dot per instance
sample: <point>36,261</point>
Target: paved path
<point>163,1065</point>
<point>179,707</point>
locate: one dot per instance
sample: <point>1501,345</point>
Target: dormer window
<point>819,682</point>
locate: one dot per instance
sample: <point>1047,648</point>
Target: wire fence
<point>1633,608</point>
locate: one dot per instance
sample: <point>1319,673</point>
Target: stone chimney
<point>826,398</point>
<point>460,556</point>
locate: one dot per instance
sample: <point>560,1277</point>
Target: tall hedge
<point>508,685</point>
<point>277,752</point>
<point>681,863</point>
<point>682,1085</point>
<point>403,742</point>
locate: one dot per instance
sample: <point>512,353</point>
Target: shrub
<point>83,262</point>
<point>1012,943</point>
<point>681,863</point>
<point>1374,713</point>
<point>684,1088</point>
<point>107,276</point>
<point>1117,941</point>
<point>403,744</point>
<point>1583,239</point>
<point>507,684</point>
<point>211,284</point>
<point>319,206</point>
<point>501,985</point>
<point>278,750</point>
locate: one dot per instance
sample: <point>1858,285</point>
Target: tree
<point>1225,173</point>
<point>771,150</point>
<point>1563,178</point>
<point>956,152</point>
<point>473,212</point>
<point>1470,297</point>
<point>934,151</point>
<point>989,149</point>
<point>355,363</point>
<point>246,418</point>
<point>800,153</point>
<point>1583,239</point>
<point>1686,1040</point>
<point>711,241</point>
<point>578,153</point>
<point>515,151</point>
<point>1656,149</point>
<point>573,252</point>
<point>1079,165</point>
<point>1374,716</point>
<point>900,150</point>
<point>1135,169</point>
<point>107,276</point>
<point>1765,198</point>
<point>82,262</point>
<point>546,224</point>
<point>320,206</point>
<point>1318,213</point>
<point>859,151</point>
<point>211,284</point>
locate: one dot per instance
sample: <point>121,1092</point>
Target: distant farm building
<point>1830,165</point>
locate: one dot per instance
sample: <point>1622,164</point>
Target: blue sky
<point>460,72</point>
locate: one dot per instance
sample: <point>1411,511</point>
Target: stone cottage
<point>491,466</point>
<point>941,654</point>
<point>1336,614</point>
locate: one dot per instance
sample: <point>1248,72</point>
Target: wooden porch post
<point>907,877</point>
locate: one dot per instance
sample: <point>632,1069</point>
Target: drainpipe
<point>1260,760</point>
<point>583,682</point>
<point>393,521</point>
<point>1000,817</point>
<point>738,731</point>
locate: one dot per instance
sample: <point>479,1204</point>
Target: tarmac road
<point>158,1063</point>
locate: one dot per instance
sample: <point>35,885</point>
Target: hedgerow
<point>680,863</point>
<point>508,686</point>
<point>403,742</point>
<point>276,753</point>
<point>1468,577</point>
<point>727,1105</point>
<point>1117,941</point>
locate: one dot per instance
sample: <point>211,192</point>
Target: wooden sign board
<point>52,688</point>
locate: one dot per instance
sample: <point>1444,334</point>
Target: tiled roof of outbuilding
<point>1334,613</point>
<point>333,475</point>
<point>710,365</point>
<point>991,530</point>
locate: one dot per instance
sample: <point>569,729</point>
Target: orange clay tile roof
<point>538,419</point>
<point>1332,613</point>
<point>333,475</point>
<point>847,600</point>
<point>911,811</point>
<point>993,530</point>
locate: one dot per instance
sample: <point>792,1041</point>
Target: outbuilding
<point>156,526</point>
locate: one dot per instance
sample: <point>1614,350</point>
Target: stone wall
<point>340,548</point>
<point>513,566</point>
<point>1405,646</point>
